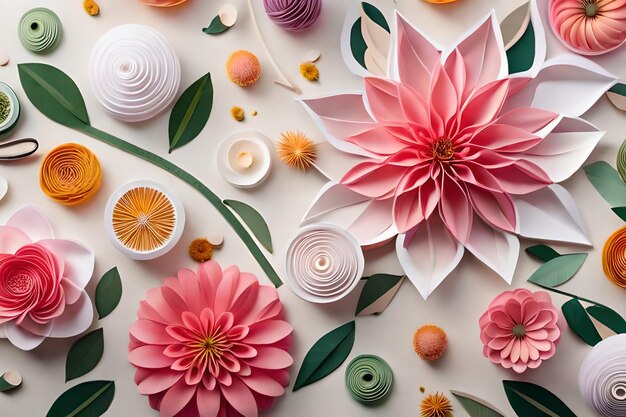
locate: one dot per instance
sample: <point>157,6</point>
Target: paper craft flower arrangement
<point>42,281</point>
<point>211,343</point>
<point>456,154</point>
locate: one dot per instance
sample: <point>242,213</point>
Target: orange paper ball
<point>430,342</point>
<point>243,68</point>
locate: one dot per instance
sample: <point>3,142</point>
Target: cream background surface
<point>282,199</point>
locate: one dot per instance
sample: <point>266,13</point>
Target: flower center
<point>443,149</point>
<point>519,331</point>
<point>213,346</point>
<point>591,8</point>
<point>20,283</point>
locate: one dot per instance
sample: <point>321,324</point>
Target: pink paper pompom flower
<point>519,330</point>
<point>42,281</point>
<point>211,343</point>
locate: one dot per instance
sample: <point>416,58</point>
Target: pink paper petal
<point>375,224</point>
<point>149,357</point>
<point>76,318</point>
<point>176,398</point>
<point>264,385</point>
<point>158,381</point>
<point>22,339</point>
<point>240,398</point>
<point>150,332</point>
<point>11,239</point>
<point>208,402</point>
<point>271,358</point>
<point>268,332</point>
<point>78,260</point>
<point>32,222</point>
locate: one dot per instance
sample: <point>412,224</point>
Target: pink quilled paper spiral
<point>294,15</point>
<point>589,27</point>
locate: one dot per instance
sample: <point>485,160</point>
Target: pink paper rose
<point>42,282</point>
<point>211,343</point>
<point>519,330</point>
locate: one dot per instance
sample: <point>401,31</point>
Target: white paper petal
<point>4,187</point>
<point>430,256</point>
<point>550,214</point>
<point>378,42</point>
<point>346,51</point>
<point>31,326</point>
<point>332,197</point>
<point>540,42</point>
<point>79,260</point>
<point>75,319</point>
<point>496,249</point>
<point>567,84</point>
<point>21,338</point>
<point>33,222</point>
<point>375,225</point>
<point>3,332</point>
<point>515,24</point>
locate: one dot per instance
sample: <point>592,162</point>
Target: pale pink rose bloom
<point>519,330</point>
<point>211,343</point>
<point>42,281</point>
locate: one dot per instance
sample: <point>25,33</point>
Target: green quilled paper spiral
<point>9,109</point>
<point>369,379</point>
<point>621,161</point>
<point>40,30</point>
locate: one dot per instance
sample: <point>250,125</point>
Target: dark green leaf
<point>621,212</point>
<point>108,292</point>
<point>608,317</point>
<point>54,94</point>
<point>377,293</point>
<point>617,96</point>
<point>542,252</point>
<point>357,42</point>
<point>89,399</point>
<point>559,270</point>
<point>254,220</point>
<point>215,27</point>
<point>10,380</point>
<point>522,55</point>
<point>191,112</point>
<point>580,323</point>
<point>607,182</point>
<point>326,355</point>
<point>618,89</point>
<point>528,400</point>
<point>476,407</point>
<point>84,355</point>
<point>376,15</point>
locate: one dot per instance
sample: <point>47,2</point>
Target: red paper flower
<point>211,343</point>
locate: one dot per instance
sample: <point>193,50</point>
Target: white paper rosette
<point>602,377</point>
<point>324,263</point>
<point>134,72</point>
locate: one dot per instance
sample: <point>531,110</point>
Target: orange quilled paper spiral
<point>70,174</point>
<point>614,257</point>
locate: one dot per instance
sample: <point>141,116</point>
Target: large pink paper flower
<point>590,27</point>
<point>453,153</point>
<point>42,282</point>
<point>211,343</point>
<point>519,329</point>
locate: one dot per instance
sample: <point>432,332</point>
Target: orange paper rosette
<point>162,3</point>
<point>70,174</point>
<point>614,257</point>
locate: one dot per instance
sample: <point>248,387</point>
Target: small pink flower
<point>42,282</point>
<point>519,329</point>
<point>211,343</point>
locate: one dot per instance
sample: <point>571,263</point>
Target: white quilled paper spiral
<point>134,72</point>
<point>324,263</point>
<point>602,377</point>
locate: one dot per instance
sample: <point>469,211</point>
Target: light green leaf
<point>607,182</point>
<point>215,27</point>
<point>254,220</point>
<point>108,293</point>
<point>579,321</point>
<point>191,112</point>
<point>89,399</point>
<point>528,399</point>
<point>475,406</point>
<point>84,355</point>
<point>377,293</point>
<point>559,270</point>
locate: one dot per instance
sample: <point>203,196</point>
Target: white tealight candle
<point>245,159</point>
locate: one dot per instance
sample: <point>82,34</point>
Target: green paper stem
<point>369,379</point>
<point>570,295</point>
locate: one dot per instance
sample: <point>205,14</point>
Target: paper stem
<point>570,295</point>
<point>283,80</point>
<point>195,183</point>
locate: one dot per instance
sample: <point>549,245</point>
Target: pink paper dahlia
<point>519,330</point>
<point>590,27</point>
<point>42,281</point>
<point>211,343</point>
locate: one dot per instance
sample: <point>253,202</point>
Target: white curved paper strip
<point>602,377</point>
<point>324,263</point>
<point>134,72</point>
<point>4,187</point>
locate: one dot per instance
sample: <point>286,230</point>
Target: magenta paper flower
<point>42,282</point>
<point>211,343</point>
<point>450,152</point>
<point>519,330</point>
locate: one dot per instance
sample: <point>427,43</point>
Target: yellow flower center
<point>213,346</point>
<point>443,149</point>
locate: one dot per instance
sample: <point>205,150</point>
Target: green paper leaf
<point>326,355</point>
<point>108,293</point>
<point>559,270</point>
<point>580,323</point>
<point>357,42</point>
<point>376,15</point>
<point>529,399</point>
<point>522,55</point>
<point>215,27</point>
<point>10,380</point>
<point>377,293</point>
<point>84,355</point>
<point>607,182</point>
<point>254,220</point>
<point>620,211</point>
<point>610,318</point>
<point>542,252</point>
<point>617,96</point>
<point>54,94</point>
<point>89,399</point>
<point>191,112</point>
<point>475,406</point>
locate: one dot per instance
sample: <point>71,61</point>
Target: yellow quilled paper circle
<point>614,257</point>
<point>70,174</point>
